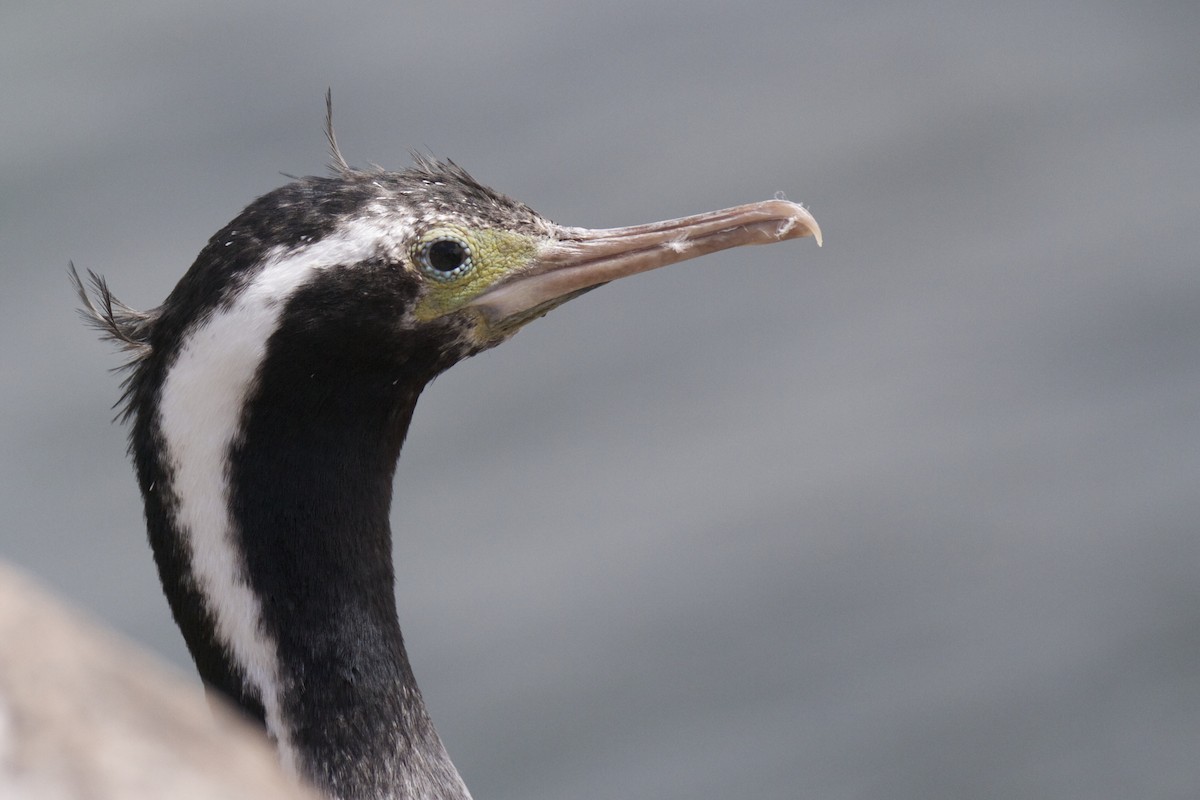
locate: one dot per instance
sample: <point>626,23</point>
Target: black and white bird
<point>269,396</point>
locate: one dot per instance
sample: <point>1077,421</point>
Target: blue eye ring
<point>445,257</point>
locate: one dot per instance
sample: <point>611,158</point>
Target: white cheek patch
<point>200,413</point>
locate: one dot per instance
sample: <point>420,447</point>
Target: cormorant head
<point>376,273</point>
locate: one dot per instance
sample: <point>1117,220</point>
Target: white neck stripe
<point>200,412</point>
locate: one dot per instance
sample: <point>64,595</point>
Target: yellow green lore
<point>495,255</point>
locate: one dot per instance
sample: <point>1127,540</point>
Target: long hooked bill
<point>583,258</point>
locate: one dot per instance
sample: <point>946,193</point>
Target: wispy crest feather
<point>126,326</point>
<point>338,164</point>
<point>117,322</point>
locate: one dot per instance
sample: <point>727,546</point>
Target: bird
<point>268,398</point>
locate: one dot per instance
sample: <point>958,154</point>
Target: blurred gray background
<point>911,516</point>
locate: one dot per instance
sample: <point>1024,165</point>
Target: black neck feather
<point>310,480</point>
<point>312,486</point>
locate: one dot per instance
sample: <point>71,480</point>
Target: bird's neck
<point>313,517</point>
<point>267,499</point>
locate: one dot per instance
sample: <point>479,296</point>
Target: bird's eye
<point>444,258</point>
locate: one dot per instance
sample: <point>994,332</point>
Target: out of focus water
<point>910,516</point>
